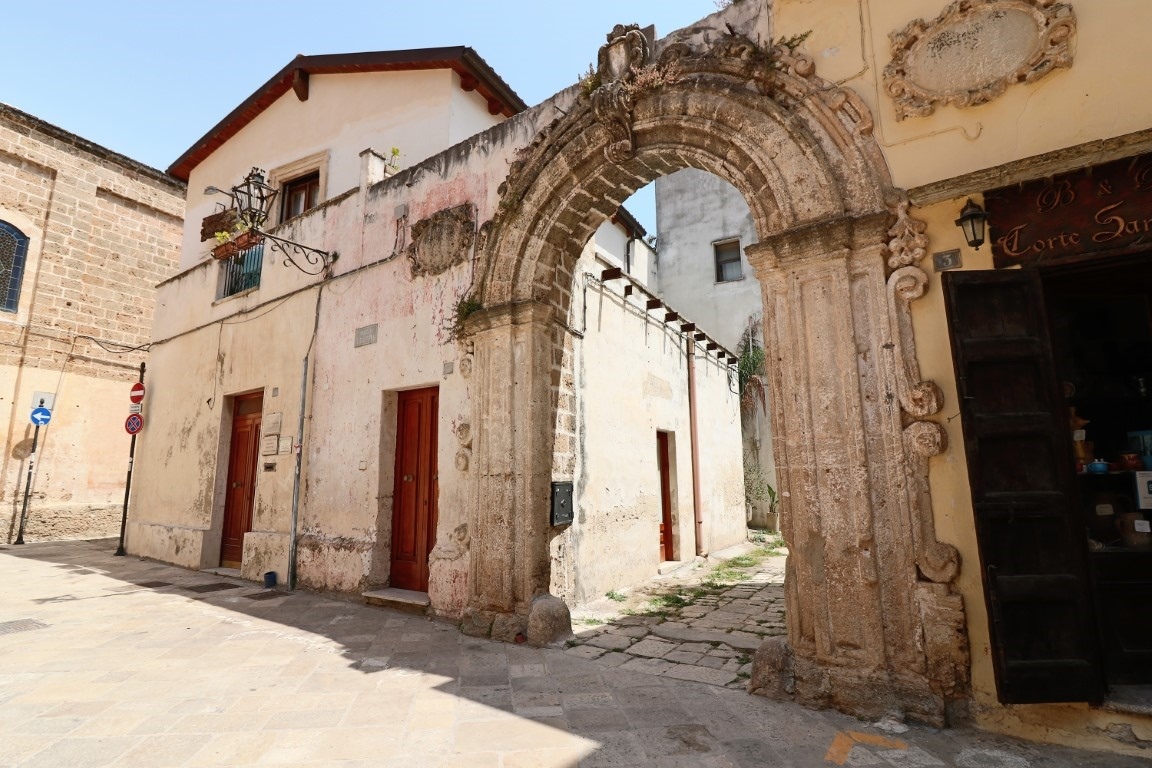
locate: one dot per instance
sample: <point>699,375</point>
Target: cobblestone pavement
<point>116,662</point>
<point>703,622</point>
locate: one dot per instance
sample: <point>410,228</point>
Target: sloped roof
<point>475,74</point>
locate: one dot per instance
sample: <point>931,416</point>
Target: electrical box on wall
<point>562,503</point>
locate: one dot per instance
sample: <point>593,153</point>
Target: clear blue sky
<point>147,79</point>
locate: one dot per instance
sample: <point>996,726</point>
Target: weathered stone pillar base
<point>515,377</point>
<point>874,628</point>
<point>867,693</point>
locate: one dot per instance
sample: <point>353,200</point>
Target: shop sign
<point>1104,209</point>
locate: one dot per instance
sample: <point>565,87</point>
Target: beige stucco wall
<point>1095,98</point>
<point>1090,101</point>
<point>418,112</point>
<point>102,231</point>
<point>630,374</point>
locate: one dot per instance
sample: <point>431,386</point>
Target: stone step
<point>399,600</point>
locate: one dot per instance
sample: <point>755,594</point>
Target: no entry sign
<point>137,393</point>
<point>134,424</point>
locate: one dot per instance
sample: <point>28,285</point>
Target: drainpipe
<point>296,476</point>
<point>695,447</point>
<point>300,447</point>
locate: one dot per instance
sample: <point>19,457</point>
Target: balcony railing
<point>242,272</point>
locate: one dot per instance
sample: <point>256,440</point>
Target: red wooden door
<point>666,548</point>
<point>1032,543</point>
<point>416,489</point>
<point>242,458</point>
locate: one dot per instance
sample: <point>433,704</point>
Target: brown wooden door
<point>243,454</point>
<point>416,490</point>
<point>1032,545</point>
<point>662,458</point>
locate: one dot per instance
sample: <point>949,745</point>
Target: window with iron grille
<point>13,253</point>
<point>728,267</point>
<point>242,271</point>
<point>299,195</point>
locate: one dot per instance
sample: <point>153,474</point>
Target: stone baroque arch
<point>874,625</point>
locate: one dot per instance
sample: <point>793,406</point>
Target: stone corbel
<point>906,284</point>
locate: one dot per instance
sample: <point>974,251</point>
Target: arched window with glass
<point>13,254</point>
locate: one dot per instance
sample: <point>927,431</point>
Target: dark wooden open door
<point>667,550</point>
<point>1033,548</point>
<point>416,490</point>
<point>241,492</point>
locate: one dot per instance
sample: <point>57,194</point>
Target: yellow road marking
<point>842,745</point>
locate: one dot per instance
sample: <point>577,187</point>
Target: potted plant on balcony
<point>232,242</point>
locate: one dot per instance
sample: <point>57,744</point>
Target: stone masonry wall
<point>103,231</point>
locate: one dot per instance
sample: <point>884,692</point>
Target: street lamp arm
<point>310,261</point>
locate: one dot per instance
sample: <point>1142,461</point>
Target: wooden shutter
<point>1033,546</point>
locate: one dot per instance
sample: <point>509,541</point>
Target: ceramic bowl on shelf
<point>1097,467</point>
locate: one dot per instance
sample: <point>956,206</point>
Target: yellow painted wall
<point>1101,96</point>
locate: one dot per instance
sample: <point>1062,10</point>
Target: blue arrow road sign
<point>41,416</point>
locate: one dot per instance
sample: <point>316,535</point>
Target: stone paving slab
<point>152,677</point>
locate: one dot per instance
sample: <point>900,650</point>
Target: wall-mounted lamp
<point>252,202</point>
<point>972,221</point>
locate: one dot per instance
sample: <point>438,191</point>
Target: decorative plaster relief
<point>975,49</point>
<point>618,63</point>
<point>464,455</point>
<point>442,240</point>
<point>454,546</point>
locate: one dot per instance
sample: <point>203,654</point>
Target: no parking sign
<point>134,424</point>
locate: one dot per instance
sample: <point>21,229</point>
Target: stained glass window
<point>13,252</point>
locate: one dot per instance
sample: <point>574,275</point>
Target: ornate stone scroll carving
<point>442,240</point>
<point>906,284</point>
<point>975,49</point>
<point>464,454</point>
<point>618,63</point>
<point>937,561</point>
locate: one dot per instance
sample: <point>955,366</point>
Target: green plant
<point>793,42</point>
<point>750,374</point>
<point>651,78</point>
<point>676,600</point>
<point>592,621</point>
<point>228,235</point>
<point>465,308</point>
<point>756,485</point>
<point>589,81</point>
<point>394,158</point>
<point>614,595</point>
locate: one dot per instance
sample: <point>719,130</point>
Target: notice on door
<point>1144,489</point>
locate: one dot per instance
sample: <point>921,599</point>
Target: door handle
<point>408,478</point>
<point>237,485</point>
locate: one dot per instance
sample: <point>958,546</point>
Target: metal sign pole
<point>28,484</point>
<point>128,484</point>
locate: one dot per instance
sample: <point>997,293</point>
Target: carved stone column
<point>842,390</point>
<point>512,459</point>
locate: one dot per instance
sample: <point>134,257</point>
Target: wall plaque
<point>1105,209</point>
<point>974,50</point>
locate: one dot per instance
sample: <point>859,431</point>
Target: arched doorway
<point>873,623</point>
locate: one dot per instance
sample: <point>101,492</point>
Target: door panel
<point>667,548</point>
<point>1018,446</point>
<point>243,455</point>
<point>416,490</point>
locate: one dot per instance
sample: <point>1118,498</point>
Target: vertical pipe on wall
<point>296,475</point>
<point>300,446</point>
<point>694,446</point>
